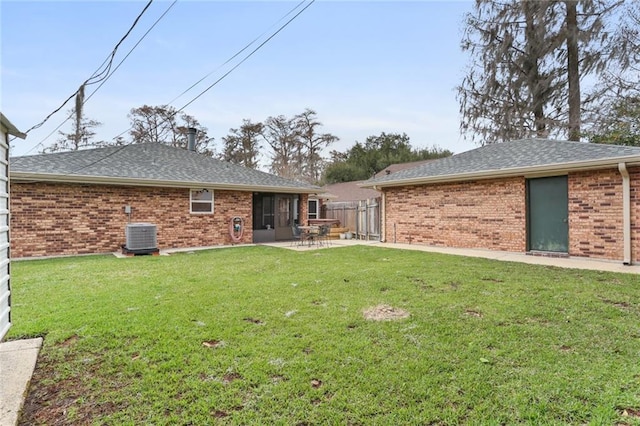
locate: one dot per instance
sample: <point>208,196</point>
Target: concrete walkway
<point>17,362</point>
<point>571,262</point>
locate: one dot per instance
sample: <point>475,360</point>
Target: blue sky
<point>365,66</point>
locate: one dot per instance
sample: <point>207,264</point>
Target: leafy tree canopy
<point>621,125</point>
<point>363,160</point>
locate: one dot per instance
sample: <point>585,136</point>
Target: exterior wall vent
<point>141,236</point>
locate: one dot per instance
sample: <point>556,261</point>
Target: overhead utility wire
<point>132,49</point>
<point>95,73</point>
<point>235,66</point>
<point>237,54</point>
<point>247,57</point>
<point>204,91</point>
<point>106,78</point>
<point>113,53</point>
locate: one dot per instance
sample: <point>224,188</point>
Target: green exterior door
<point>548,213</point>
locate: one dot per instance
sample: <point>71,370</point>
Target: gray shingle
<point>151,162</point>
<point>520,154</point>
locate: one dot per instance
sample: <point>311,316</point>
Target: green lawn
<point>260,335</point>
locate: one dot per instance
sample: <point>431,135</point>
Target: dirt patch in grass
<point>213,344</point>
<point>69,341</point>
<point>633,413</point>
<point>621,305</point>
<point>231,377</point>
<point>52,400</point>
<point>473,313</point>
<point>384,313</point>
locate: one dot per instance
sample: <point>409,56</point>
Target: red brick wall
<point>304,209</point>
<point>595,214</point>
<point>491,214</point>
<point>61,219</point>
<point>486,214</point>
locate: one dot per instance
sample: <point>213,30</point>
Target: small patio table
<point>308,234</point>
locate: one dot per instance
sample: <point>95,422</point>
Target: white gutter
<point>532,171</point>
<point>10,128</point>
<point>104,180</point>
<point>626,212</point>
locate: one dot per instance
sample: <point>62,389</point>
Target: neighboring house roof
<point>515,158</point>
<point>150,164</point>
<point>348,191</point>
<point>11,129</point>
<point>353,191</point>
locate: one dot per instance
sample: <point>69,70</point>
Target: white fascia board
<point>10,128</point>
<point>533,171</point>
<point>83,179</point>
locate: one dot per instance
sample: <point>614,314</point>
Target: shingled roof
<point>515,158</point>
<point>150,164</point>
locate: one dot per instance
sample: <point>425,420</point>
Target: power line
<point>113,53</point>
<point>212,85</point>
<point>104,80</point>
<point>235,66</point>
<point>237,53</point>
<point>248,56</point>
<point>132,49</point>
<point>95,73</point>
<point>115,151</point>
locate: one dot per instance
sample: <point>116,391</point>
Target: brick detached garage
<point>80,202</point>
<point>535,196</point>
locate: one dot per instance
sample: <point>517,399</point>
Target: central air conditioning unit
<point>141,236</point>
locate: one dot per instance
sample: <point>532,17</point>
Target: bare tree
<point>242,145</point>
<point>164,124</point>
<point>312,144</point>
<point>296,146</point>
<point>81,135</point>
<point>282,136</point>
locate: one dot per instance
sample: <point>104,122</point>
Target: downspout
<point>383,219</point>
<point>626,212</point>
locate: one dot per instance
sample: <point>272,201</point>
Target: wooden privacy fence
<point>361,217</point>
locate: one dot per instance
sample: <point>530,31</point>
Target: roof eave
<point>11,129</point>
<point>103,180</point>
<point>533,171</point>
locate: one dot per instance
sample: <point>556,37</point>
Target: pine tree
<point>527,62</point>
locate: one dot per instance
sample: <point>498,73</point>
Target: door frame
<point>529,213</point>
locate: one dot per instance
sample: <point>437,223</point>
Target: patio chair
<point>297,235</point>
<point>323,236</point>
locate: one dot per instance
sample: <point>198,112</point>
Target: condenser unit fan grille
<point>141,236</point>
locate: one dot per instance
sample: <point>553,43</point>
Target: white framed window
<point>201,201</point>
<point>312,211</point>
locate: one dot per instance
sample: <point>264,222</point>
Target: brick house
<point>80,202</point>
<point>537,196</point>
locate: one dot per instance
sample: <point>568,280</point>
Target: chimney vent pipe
<point>191,139</point>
